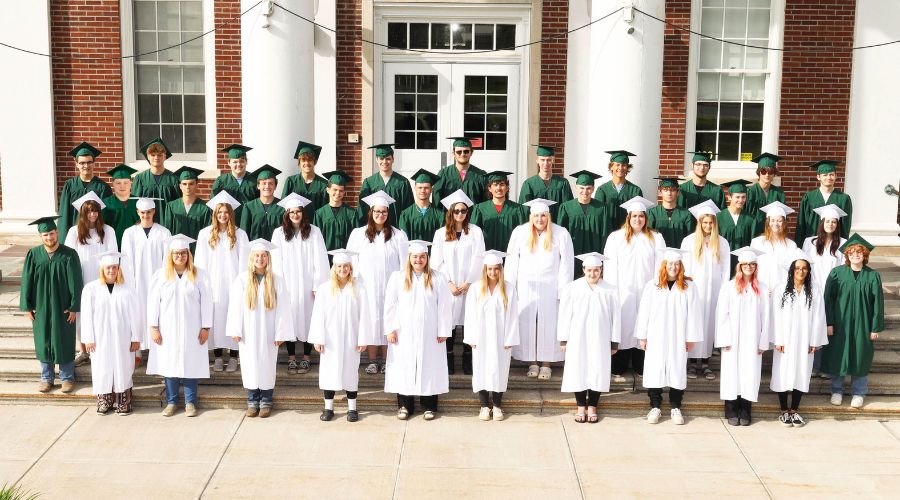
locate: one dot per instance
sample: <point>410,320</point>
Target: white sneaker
<point>857,402</point>
<point>484,414</point>
<point>837,398</point>
<point>653,416</point>
<point>218,365</point>
<point>232,365</point>
<point>677,417</point>
<point>498,414</point>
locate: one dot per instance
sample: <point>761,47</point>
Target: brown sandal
<point>579,417</point>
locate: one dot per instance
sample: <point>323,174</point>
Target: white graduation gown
<point>222,264</point>
<point>111,322</point>
<point>417,363</point>
<point>743,322</point>
<point>797,327</point>
<point>259,329</point>
<point>304,265</point>
<point>821,264</point>
<point>769,268</point>
<point>666,320</point>
<point>88,254</point>
<point>629,268</point>
<point>460,261</point>
<point>374,263</point>
<point>491,327</point>
<point>708,275</point>
<point>589,321</point>
<point>180,308</point>
<point>539,276</point>
<point>339,322</point>
<point>142,256</point>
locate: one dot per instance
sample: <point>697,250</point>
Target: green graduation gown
<point>558,190</point>
<point>146,185</point>
<point>49,287</point>
<point>73,189</point>
<point>855,308</point>
<point>316,192</point>
<point>397,187</point>
<point>689,194</point>
<point>475,184</point>
<point>673,229</point>
<point>120,215</point>
<point>589,225</point>
<point>757,198</point>
<point>243,192</point>
<point>419,226</point>
<point>191,222</point>
<point>737,235</point>
<point>260,221</point>
<point>335,227</point>
<point>607,193</point>
<point>808,221</point>
<point>498,227</point>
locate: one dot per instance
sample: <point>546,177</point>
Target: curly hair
<point>789,287</point>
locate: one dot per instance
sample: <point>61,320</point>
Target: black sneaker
<point>785,418</point>
<point>326,415</point>
<point>352,416</point>
<point>797,420</point>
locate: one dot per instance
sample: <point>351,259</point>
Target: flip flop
<point>579,417</point>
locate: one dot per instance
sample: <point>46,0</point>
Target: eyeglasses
<point>379,212</point>
<point>461,211</point>
<point>751,264</point>
<point>85,163</point>
<point>463,152</point>
<point>183,253</point>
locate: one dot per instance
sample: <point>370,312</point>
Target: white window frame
<point>132,154</point>
<point>728,170</point>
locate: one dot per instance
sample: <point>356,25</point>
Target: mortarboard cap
<point>637,204</point>
<point>856,239</point>
<point>458,196</point>
<point>85,149</point>
<point>338,177</point>
<point>236,151</point>
<point>667,182</point>
<point>109,258</point>
<point>423,176</point>
<point>493,258</point>
<point>307,147</point>
<point>378,199</point>
<point>746,255</point>
<point>673,254</point>
<point>620,156</point>
<point>222,197</point>
<point>777,209</point>
<point>179,242</point>
<point>342,256</point>
<point>592,259</point>
<point>383,150</point>
<point>293,200</point>
<point>830,211</point>
<point>736,186</point>
<point>187,173</point>
<point>766,160</point>
<point>121,171</point>
<point>143,204</point>
<point>151,142</point>
<point>266,172</point>
<point>498,176</point>
<point>45,224</point>
<point>545,150</point>
<point>261,245</point>
<point>793,256</point>
<point>539,205</point>
<point>584,178</point>
<point>706,156</point>
<point>418,246</point>
<point>707,207</point>
<point>824,166</point>
<point>89,196</point>
<point>461,142</point>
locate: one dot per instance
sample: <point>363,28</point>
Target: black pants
<point>624,358</point>
<point>490,399</point>
<point>233,352</point>
<point>330,394</point>
<point>675,397</point>
<point>587,398</point>
<point>451,340</point>
<point>738,408</point>
<point>292,348</point>
<point>795,400</point>
<point>430,403</point>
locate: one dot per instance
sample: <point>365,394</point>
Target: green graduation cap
<point>187,174</point>
<point>461,142</point>
<point>584,178</point>
<point>383,150</point>
<point>423,176</point>
<point>338,177</point>
<point>266,172</point>
<point>736,186</point>
<point>151,142</point>
<point>85,149</point>
<point>121,171</point>
<point>824,167</point>
<point>236,151</point>
<point>706,156</point>
<point>45,224</point>
<point>545,150</point>
<point>667,182</point>
<point>855,239</point>
<point>498,175</point>
<point>620,156</point>
<point>767,160</point>
<point>307,147</point>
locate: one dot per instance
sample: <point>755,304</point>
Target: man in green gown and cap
<point>306,183</point>
<point>763,192</point>
<point>420,220</point>
<point>238,183</point>
<point>385,179</point>
<point>670,220</point>
<point>85,155</point>
<point>189,214</point>
<point>735,225</point>
<point>120,212</point>
<point>156,182</point>
<point>698,189</point>
<point>261,216</point>
<point>50,295</point>
<point>589,221</point>
<point>618,190</point>
<point>336,220</point>
<point>461,174</point>
<point>546,184</point>
<point>498,216</point>
<point>825,194</point>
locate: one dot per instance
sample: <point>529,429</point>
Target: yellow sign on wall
<point>746,156</point>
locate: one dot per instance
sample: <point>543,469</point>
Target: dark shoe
<point>292,367</point>
<point>326,415</point>
<point>733,421</point>
<point>745,421</point>
<point>103,408</point>
<point>352,416</point>
<point>467,363</point>
<point>303,367</point>
<point>785,419</point>
<point>451,363</point>
<point>797,420</point>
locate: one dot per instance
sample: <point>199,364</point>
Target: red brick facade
<point>348,112</point>
<point>674,89</point>
<point>554,22</point>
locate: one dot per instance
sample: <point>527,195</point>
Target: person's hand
<point>759,352</point>
<point>319,348</point>
<point>236,339</point>
<point>392,337</point>
<point>726,348</point>
<point>278,343</point>
<point>643,344</point>
<point>873,336</point>
<point>507,347</point>
<point>454,290</point>
<point>441,340</point>
<point>90,347</point>
<point>135,346</point>
<point>30,315</point>
<point>360,349</point>
<point>155,335</point>
<point>812,349</point>
<point>464,288</point>
<point>71,318</point>
<point>688,346</point>
<point>830,331</point>
<point>204,335</point>
<point>562,347</point>
<point>779,348</point>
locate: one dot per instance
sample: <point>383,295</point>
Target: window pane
<point>728,147</point>
<point>474,85</point>
<point>474,122</point>
<point>167,16</point>
<point>735,23</point>
<point>484,37</point>
<point>397,35</point>
<point>756,58</point>
<point>710,54</point>
<point>427,121</point>
<point>148,79</point>
<point>170,80</point>
<point>427,140</point>
<point>496,104</point>
<point>708,86</point>
<point>474,103</point>
<point>440,36</point>
<point>495,142</point>
<point>753,116</point>
<point>736,3</point>
<point>173,135</point>
<point>711,22</point>
<point>418,35</point>
<point>759,3</point>
<point>713,3</point>
<point>462,36</point>
<point>192,51</point>
<point>427,102</point>
<point>496,84</point>
<point>405,83</point>
<point>148,108</point>
<point>191,16</point>
<point>195,139</point>
<point>404,102</point>
<point>144,42</point>
<point>754,88</point>
<point>405,140</point>
<point>707,113</point>
<point>751,144</point>
<point>144,17</point>
<point>170,39</point>
<point>506,36</point>
<point>733,56</point>
<point>170,109</point>
<point>496,123</point>
<point>731,88</point>
<point>404,121</point>
<point>729,116</point>
<point>758,23</point>
<point>194,109</point>
<point>428,83</point>
<point>146,133</point>
<point>706,141</point>
<point>193,81</point>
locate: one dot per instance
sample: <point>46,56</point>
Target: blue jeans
<point>190,390</point>
<point>859,386</point>
<point>66,372</point>
<point>260,398</point>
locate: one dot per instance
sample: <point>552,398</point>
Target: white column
<point>27,149</point>
<point>326,86</point>
<point>277,81</point>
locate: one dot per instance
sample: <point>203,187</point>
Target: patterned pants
<point>121,400</point>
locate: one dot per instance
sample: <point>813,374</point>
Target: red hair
<point>663,278</point>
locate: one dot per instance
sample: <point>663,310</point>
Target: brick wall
<point>348,112</point>
<point>674,89</point>
<point>554,21</point>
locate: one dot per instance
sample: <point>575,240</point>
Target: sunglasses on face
<point>463,152</point>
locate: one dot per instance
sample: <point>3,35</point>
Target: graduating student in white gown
<point>774,245</point>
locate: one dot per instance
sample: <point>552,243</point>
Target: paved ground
<point>70,452</point>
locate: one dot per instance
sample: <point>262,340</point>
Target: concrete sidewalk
<point>70,452</point>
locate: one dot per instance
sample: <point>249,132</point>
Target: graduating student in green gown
<point>85,155</point>
<point>498,216</point>
<point>734,224</point>
<point>50,295</point>
<point>156,182</point>
<point>120,212</point>
<point>237,183</point>
<point>588,221</point>
<point>420,220</point>
<point>546,184</point>
<point>461,174</point>
<point>336,220</point>
<point>307,184</point>
<point>825,194</point>
<point>261,216</point>
<point>854,312</point>
<point>673,222</point>
<point>385,179</point>
<point>189,214</point>
<point>763,192</point>
<point>618,190</point>
<point>698,189</point>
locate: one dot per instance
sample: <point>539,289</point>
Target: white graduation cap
<point>458,196</point>
<point>261,245</point>
<point>777,209</point>
<point>143,204</point>
<point>378,199</point>
<point>673,254</point>
<point>342,256</point>
<point>222,197</point>
<point>705,208</point>
<point>746,255</point>
<point>179,242</point>
<point>294,200</point>
<point>539,205</point>
<point>830,211</point>
<point>637,204</point>
<point>418,246</point>
<point>493,257</point>
<point>592,259</point>
<point>793,256</point>
<point>90,196</point>
<point>109,258</point>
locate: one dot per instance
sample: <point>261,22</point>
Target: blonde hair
<point>269,297</point>
<point>230,228</point>
<point>713,239</point>
<point>189,269</point>
<point>336,280</point>
<point>120,276</point>
<point>407,282</point>
<point>532,241</point>
<point>629,232</point>
<point>501,285</point>
<point>770,236</point>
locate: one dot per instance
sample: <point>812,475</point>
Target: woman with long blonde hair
<point>774,244</point>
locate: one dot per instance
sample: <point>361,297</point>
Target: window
<point>485,111</point>
<point>451,36</point>
<point>415,111</point>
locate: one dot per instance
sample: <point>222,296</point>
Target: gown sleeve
<point>317,319</point>
<point>564,318</point>
<point>818,332</point>
<point>567,259</point>
<point>153,300</point>
<point>445,306</point>
<point>877,324</point>
<point>206,299</point>
<point>477,258</point>
<point>511,266</point>
<point>234,325</point>
<point>74,282</point>
<point>87,318</point>
<point>511,320</point>
<point>765,321</point>
<point>615,333</point>
<point>284,324</point>
<point>320,256</point>
<point>643,316</point>
<point>723,305</point>
<point>366,325</point>
<point>391,297</point>
<point>134,309</point>
<point>26,291</point>
<point>471,319</point>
